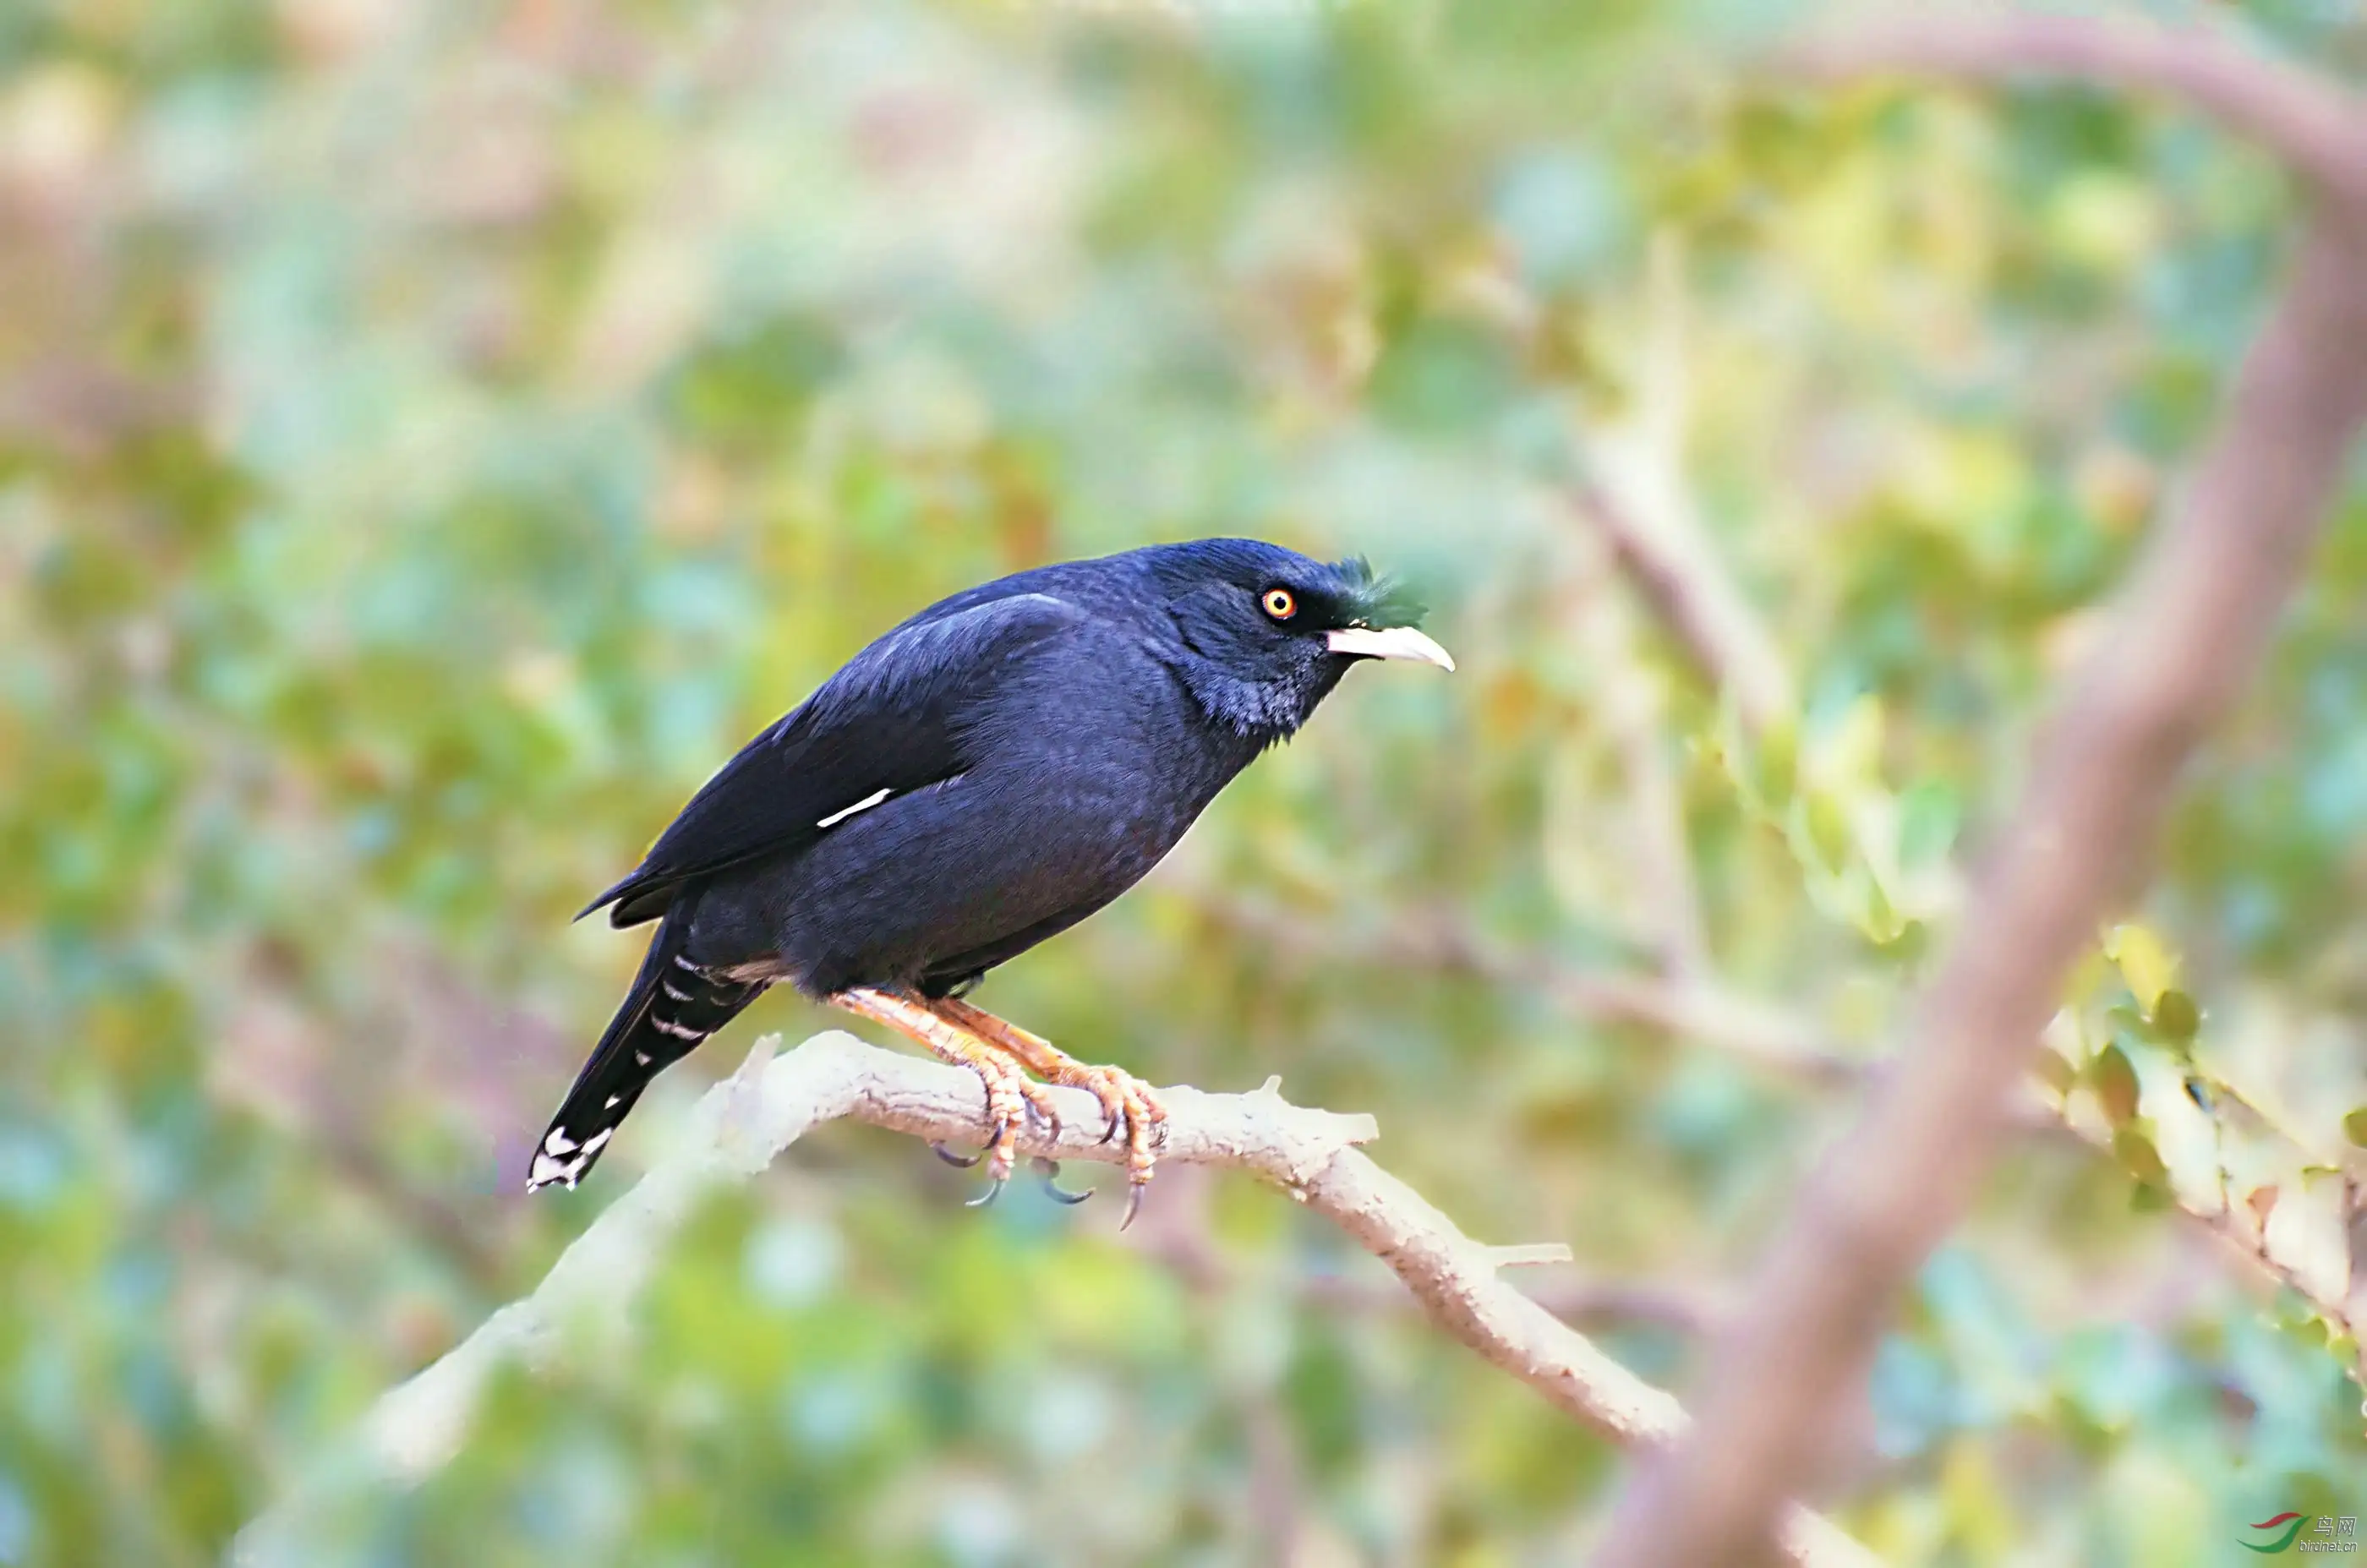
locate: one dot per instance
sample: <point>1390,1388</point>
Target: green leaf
<point>2056,1073</point>
<point>2176,1019</point>
<point>2354,1126</point>
<point>1778,760</point>
<point>1928,818</point>
<point>1850,751</point>
<point>1909,944</point>
<point>1879,918</point>
<point>2145,962</point>
<point>2115,1081</point>
<point>2139,1158</point>
<point>1828,829</point>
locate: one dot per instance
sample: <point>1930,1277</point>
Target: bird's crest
<point>1379,601</point>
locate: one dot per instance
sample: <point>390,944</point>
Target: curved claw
<point>1049,1170</point>
<point>1133,1203</point>
<point>993,1190</point>
<point>959,1162</point>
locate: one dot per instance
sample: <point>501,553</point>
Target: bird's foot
<point>1011,1095</point>
<point>1130,1106</point>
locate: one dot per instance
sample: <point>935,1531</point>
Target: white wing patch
<point>866,803</point>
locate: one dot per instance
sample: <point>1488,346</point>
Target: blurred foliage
<point>432,436</point>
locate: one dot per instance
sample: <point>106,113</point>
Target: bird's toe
<point>1134,1110</point>
<point>1010,1099</point>
<point>1049,1170</point>
<point>1041,1108</point>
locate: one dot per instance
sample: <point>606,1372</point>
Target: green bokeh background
<point>434,437</point>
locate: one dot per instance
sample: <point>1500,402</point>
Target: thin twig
<point>1635,495</point>
<point>742,1124</point>
<point>1628,693</point>
<point>1631,495</point>
<point>2315,127</point>
<point>1692,1009</point>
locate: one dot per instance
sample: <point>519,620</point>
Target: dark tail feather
<point>674,1006</point>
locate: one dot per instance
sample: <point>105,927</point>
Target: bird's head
<point>1275,630</point>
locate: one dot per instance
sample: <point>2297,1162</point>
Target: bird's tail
<point>673,1006</point>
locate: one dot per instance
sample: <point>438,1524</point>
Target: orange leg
<point>1010,1093</point>
<point>1130,1105</point>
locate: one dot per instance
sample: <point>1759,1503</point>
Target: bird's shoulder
<point>892,719</point>
<point>946,649</point>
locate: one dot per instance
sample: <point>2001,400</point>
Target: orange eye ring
<point>1280,603</point>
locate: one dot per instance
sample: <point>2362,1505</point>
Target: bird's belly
<point>983,865</point>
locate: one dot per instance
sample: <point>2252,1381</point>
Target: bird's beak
<point>1389,642</point>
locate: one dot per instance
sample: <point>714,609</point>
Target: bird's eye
<point>1280,603</point>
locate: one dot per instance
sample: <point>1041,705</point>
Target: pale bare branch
<point>1629,697</point>
<point>742,1124</point>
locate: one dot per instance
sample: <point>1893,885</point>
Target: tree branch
<point>2317,129</point>
<point>2187,634</point>
<point>1698,1012</point>
<point>1692,1007</point>
<point>1629,694</point>
<point>741,1125</point>
<point>1634,494</point>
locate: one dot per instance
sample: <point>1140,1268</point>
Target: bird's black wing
<point>887,723</point>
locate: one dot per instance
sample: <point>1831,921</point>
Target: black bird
<point>983,776</point>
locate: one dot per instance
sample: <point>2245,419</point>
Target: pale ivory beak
<point>1389,642</point>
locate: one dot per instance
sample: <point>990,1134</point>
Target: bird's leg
<point>1131,1105</point>
<point>1011,1095</point>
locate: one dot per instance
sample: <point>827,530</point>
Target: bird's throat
<point>1259,713</point>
